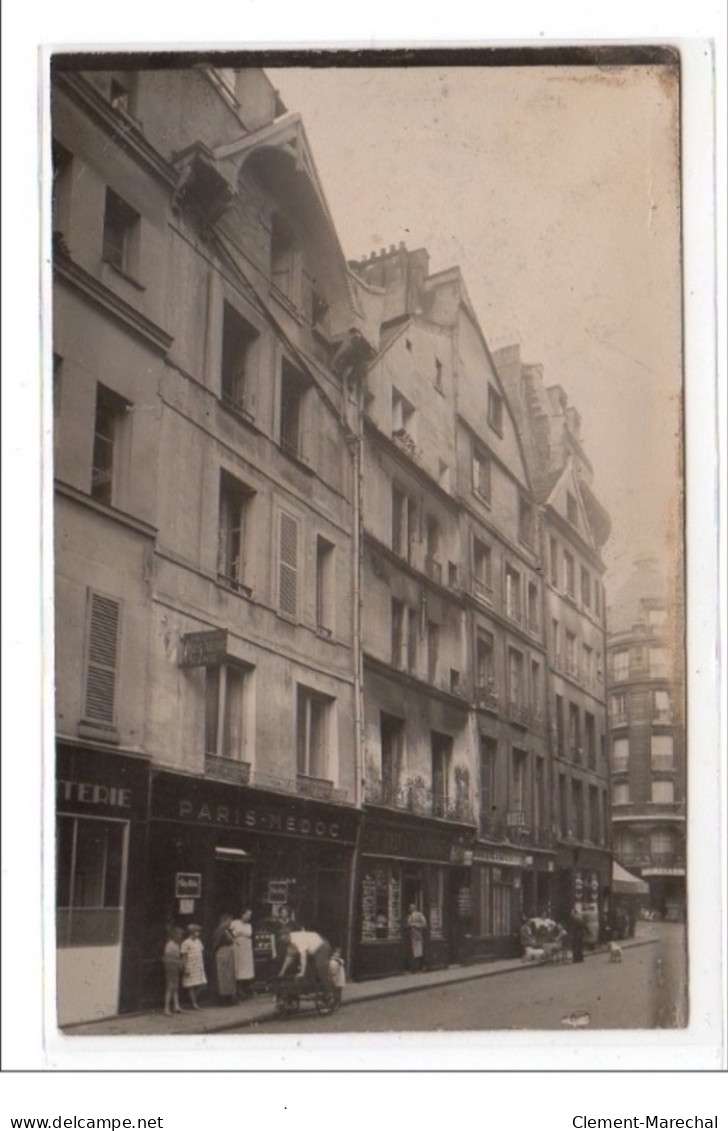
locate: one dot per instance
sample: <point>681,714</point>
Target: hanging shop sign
<point>203,649</point>
<point>188,885</point>
<point>488,854</point>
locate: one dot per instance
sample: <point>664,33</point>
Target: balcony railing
<point>433,568</point>
<point>618,718</point>
<point>483,590</point>
<point>413,797</point>
<point>517,713</point>
<point>663,717</point>
<point>486,696</point>
<point>648,859</point>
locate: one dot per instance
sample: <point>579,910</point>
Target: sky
<point>556,191</point>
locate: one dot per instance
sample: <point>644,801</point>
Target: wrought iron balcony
<point>486,696</point>
<point>483,591</point>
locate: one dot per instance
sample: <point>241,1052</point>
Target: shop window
<point>553,561</point>
<point>481,475</point>
<point>391,732</point>
<point>482,571</point>
<point>288,564</point>
<point>501,910</point>
<point>381,904</point>
<point>325,594</point>
<point>89,877</point>
<point>312,733</point>
<point>620,755</point>
<point>434,893</point>
<point>120,245</point>
<point>235,505</point>
<point>663,792</point>
<point>433,649</point>
<point>294,391</point>
<point>526,522</point>
<point>513,593</point>
<point>441,754</point>
<point>239,347</point>
<point>225,688</point>
<point>111,447</point>
<point>102,658</point>
<point>569,574</point>
<point>495,410</point>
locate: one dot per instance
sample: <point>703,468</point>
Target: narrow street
<point>641,992</point>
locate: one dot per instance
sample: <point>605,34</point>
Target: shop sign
<point>483,854</point>
<point>188,885</point>
<point>94,793</point>
<point>410,844</point>
<point>204,649</point>
<point>101,782</point>
<point>666,871</point>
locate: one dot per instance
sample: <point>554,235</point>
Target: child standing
<point>172,962</point>
<point>337,970</point>
<point>193,968</point>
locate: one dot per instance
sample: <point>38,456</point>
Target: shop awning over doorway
<point>624,883</point>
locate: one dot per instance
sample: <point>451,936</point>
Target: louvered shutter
<point>288,565</point>
<point>103,641</point>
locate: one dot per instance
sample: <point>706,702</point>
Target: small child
<point>172,962</point>
<point>193,968</point>
<point>337,970</point>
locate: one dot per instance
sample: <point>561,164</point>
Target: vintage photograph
<point>368,490</point>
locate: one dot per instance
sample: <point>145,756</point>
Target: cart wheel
<point>281,1005</point>
<point>293,1004</point>
<point>325,1002</point>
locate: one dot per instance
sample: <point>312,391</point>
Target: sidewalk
<point>221,1019</point>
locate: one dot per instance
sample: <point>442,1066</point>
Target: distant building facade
<point>647,736</point>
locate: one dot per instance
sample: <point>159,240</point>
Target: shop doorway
<point>232,887</point>
<point>332,900</point>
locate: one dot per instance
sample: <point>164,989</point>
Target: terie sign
<point>203,649</point>
<point>188,885</point>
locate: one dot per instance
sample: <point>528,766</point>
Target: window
<point>438,375</point>
<point>569,574</point>
<point>397,609</point>
<point>535,689</point>
<point>620,794</point>
<point>325,603</point>
<point>238,350</point>
<point>61,190</point>
<point>539,793</point>
<point>235,506</point>
<point>526,521</point>
<point>102,657</point>
<point>519,761</point>
<point>556,643</point>
<point>570,652</point>
<point>391,731</point>
<point>663,792</point>
<point>662,755</point>
<point>618,704</point>
<point>495,410</point>
<point>455,685</point>
<point>572,510</point>
<point>553,561</point>
<point>590,738</point>
<point>435,888</point>
<point>575,750</point>
<point>121,235</point>
<point>403,416</point>
<point>120,94</point>
<point>662,844</point>
<point>284,259</point>
<point>564,823</point>
<point>482,570</point>
<point>288,565</point>
<point>294,387</point>
<point>481,475</point>
<point>594,814</point>
<point>577,809</point>
<point>488,752</point>
<point>110,456</point>
<point>312,733</point>
<point>659,662</point>
<point>560,731</point>
<point>484,661</point>
<point>661,707</point>
<point>381,910</point>
<point>515,678</point>
<point>441,747</point>
<point>533,617</point>
<point>89,881</point>
<point>443,475</point>
<point>433,647</point>
<point>596,598</point>
<point>433,566</point>
<point>621,664</point>
<point>513,593</point>
<point>587,665</point>
<point>585,588</point>
<point>412,638</point>
<point>620,755</point>
<point>224,711</point>
<point>404,521</point>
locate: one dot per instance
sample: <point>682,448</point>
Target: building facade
<point>647,737</point>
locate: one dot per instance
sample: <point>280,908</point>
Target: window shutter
<point>288,565</point>
<point>103,640</point>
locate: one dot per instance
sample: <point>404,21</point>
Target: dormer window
<point>403,415</point>
<point>284,255</point>
<point>238,358</point>
<point>495,410</point>
<point>572,510</point>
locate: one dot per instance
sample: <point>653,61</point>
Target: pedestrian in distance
<point>337,969</point>
<point>172,963</point>
<point>577,931</point>
<point>193,963</point>
<point>242,932</point>
<point>223,947</point>
<point>416,927</point>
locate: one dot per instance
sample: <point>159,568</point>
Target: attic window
<point>284,259</point>
<point>572,511</point>
<point>495,410</point>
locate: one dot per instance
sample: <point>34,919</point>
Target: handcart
<point>291,991</point>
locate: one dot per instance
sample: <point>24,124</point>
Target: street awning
<point>624,883</point>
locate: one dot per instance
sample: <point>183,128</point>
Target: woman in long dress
<point>242,932</point>
<point>416,925</point>
<point>223,946</point>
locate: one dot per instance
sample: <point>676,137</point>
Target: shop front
<point>101,814</point>
<point>410,862</point>
<point>583,880</point>
<point>497,899</point>
<point>217,848</point>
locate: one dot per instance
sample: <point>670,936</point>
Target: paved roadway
<point>644,991</point>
